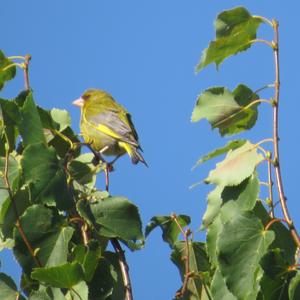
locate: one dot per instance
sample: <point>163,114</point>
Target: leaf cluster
<point>52,216</point>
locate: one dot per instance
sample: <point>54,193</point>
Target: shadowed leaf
<point>6,73</point>
<point>168,226</point>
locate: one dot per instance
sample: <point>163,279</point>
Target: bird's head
<point>90,95</point>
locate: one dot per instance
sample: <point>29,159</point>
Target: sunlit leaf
<point>231,145</point>
<point>236,167</point>
<point>235,30</point>
<point>219,290</point>
<point>168,226</point>
<point>6,72</point>
<point>230,112</point>
<point>243,237</point>
<point>63,276</point>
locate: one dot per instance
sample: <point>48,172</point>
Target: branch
<point>124,269</point>
<point>279,182</point>
<point>270,186</point>
<point>186,233</point>
<point>26,69</point>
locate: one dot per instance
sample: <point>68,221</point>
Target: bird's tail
<point>134,153</point>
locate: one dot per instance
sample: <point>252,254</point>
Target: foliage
<point>249,253</point>
<point>59,225</point>
<point>56,222</point>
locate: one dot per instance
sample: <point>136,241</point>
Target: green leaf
<point>83,170</point>
<point>275,281</point>
<point>12,174</point>
<point>236,167</point>
<point>30,125</point>
<point>63,276</point>
<point>198,263</point>
<point>61,117</point>
<point>212,236</point>
<point>218,288</point>
<point>231,145</point>
<point>9,117</point>
<point>78,292</point>
<point>107,280</point>
<point>48,238</point>
<point>6,73</point>
<point>168,226</point>
<point>8,289</point>
<point>39,295</point>
<point>214,202</point>
<point>117,217</point>
<point>235,31</point>
<point>294,288</point>
<point>283,239</point>
<point>45,176</point>
<point>230,112</point>
<point>241,245</point>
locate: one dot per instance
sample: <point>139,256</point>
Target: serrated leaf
<point>230,112</point>
<point>46,235</point>
<point>235,30</point>
<point>198,263</point>
<point>8,289</point>
<point>63,276</point>
<point>236,167</point>
<point>218,288</point>
<point>168,226</point>
<point>243,237</point>
<point>78,292</point>
<point>30,125</point>
<point>45,176</point>
<point>294,287</point>
<point>6,73</point>
<point>231,145</point>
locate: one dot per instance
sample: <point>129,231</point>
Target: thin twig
<point>276,220</point>
<point>26,71</point>
<point>186,233</point>
<point>279,182</point>
<point>270,186</point>
<point>15,209</point>
<point>124,269</point>
<point>261,41</point>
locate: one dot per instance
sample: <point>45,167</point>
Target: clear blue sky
<point>144,54</point>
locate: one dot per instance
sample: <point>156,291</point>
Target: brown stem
<point>26,70</point>
<point>15,209</point>
<point>275,221</point>
<point>186,233</point>
<point>279,182</point>
<point>270,186</point>
<point>124,269</point>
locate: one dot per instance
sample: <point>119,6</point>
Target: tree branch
<point>279,182</point>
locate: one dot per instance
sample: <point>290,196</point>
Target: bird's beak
<point>78,102</point>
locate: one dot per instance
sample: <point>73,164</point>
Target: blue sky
<point>144,53</point>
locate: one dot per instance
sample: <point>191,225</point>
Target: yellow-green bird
<point>107,126</point>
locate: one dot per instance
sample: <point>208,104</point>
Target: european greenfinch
<point>107,126</point>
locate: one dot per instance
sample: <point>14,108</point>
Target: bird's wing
<point>113,123</point>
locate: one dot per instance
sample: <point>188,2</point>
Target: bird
<point>106,126</point>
